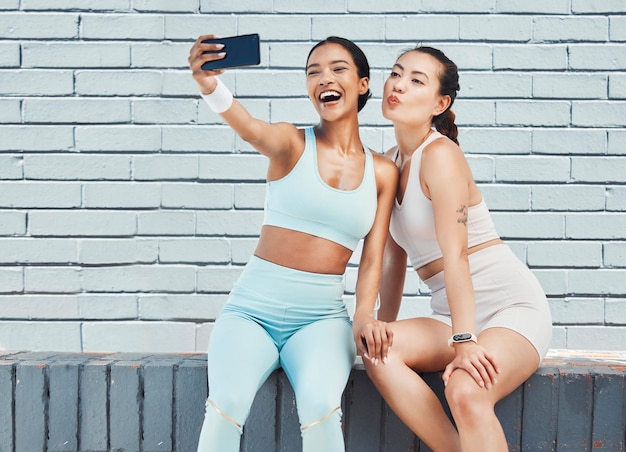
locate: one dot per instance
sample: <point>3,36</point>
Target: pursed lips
<point>393,100</point>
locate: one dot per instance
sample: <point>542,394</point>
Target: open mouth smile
<point>329,96</point>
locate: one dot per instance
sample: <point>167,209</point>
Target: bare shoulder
<point>291,137</point>
<point>383,165</point>
<point>288,130</point>
<point>386,173</point>
<point>442,152</point>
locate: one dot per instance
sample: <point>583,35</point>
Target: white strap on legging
<point>221,413</point>
<point>320,420</point>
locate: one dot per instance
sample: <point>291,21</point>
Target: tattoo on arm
<point>462,211</point>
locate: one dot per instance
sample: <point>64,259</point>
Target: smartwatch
<point>462,337</point>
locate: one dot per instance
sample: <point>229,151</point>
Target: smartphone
<point>240,50</point>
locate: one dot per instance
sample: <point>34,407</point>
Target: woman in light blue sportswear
<point>325,192</point>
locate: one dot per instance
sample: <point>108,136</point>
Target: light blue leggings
<point>277,316</point>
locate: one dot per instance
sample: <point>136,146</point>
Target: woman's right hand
<point>476,361</point>
<point>373,338</point>
<point>198,56</point>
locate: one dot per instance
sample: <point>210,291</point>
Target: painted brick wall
<point>127,209</point>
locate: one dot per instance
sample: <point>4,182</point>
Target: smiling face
<point>333,81</point>
<point>411,92</point>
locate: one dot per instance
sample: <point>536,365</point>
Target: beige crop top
<point>413,223</point>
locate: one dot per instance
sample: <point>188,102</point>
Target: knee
<point>313,406</point>
<point>321,429</point>
<point>467,401</point>
<point>381,375</point>
<point>376,374</point>
<point>230,405</point>
<point>316,396</point>
<point>316,399</point>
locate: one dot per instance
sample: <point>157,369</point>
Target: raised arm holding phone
<point>325,192</point>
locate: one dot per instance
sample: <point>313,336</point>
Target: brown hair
<point>448,86</point>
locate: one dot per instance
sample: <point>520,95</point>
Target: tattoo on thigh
<point>462,211</point>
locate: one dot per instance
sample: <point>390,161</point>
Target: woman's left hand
<point>476,361</point>
<point>373,338</point>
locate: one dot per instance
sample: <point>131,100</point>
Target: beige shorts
<point>506,293</point>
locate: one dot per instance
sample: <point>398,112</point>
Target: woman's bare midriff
<point>302,251</point>
<point>434,267</point>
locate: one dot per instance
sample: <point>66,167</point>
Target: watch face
<point>462,337</point>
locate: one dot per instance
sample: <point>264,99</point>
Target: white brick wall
<point>127,209</point>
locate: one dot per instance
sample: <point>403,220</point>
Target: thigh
<point>422,344</point>
<point>241,356</point>
<point>516,357</point>
<point>321,356</point>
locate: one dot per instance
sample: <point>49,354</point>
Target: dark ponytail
<point>448,86</point>
<point>444,123</point>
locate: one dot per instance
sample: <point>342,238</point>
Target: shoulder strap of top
<point>429,139</point>
<point>369,163</point>
<point>309,137</point>
<point>394,156</point>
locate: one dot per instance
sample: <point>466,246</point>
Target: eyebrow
<point>332,62</point>
<point>412,72</point>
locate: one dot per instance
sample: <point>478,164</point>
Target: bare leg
<point>419,345</point>
<point>473,406</point>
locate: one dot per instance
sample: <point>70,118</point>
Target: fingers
<point>387,345</point>
<point>469,368</point>
<point>389,334</point>
<point>377,339</point>
<point>200,56</point>
<point>361,347</point>
<point>481,374</point>
<point>446,374</point>
<point>479,365</point>
<point>200,46</point>
<point>202,52</point>
<point>490,369</point>
<point>374,345</point>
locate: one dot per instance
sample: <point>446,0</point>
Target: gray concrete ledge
<point>126,402</point>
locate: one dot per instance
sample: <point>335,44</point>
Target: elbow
<point>454,259</point>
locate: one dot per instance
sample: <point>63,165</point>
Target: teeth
<point>327,94</point>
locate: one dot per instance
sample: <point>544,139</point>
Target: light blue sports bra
<point>303,202</point>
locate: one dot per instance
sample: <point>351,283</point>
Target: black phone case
<point>240,50</point>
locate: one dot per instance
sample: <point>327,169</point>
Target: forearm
<point>366,293</point>
<point>460,294</point>
<point>372,337</point>
<point>391,289</point>
<point>221,101</point>
<point>268,139</point>
<point>376,246</point>
<point>244,124</point>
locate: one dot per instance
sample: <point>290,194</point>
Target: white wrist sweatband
<point>220,99</point>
